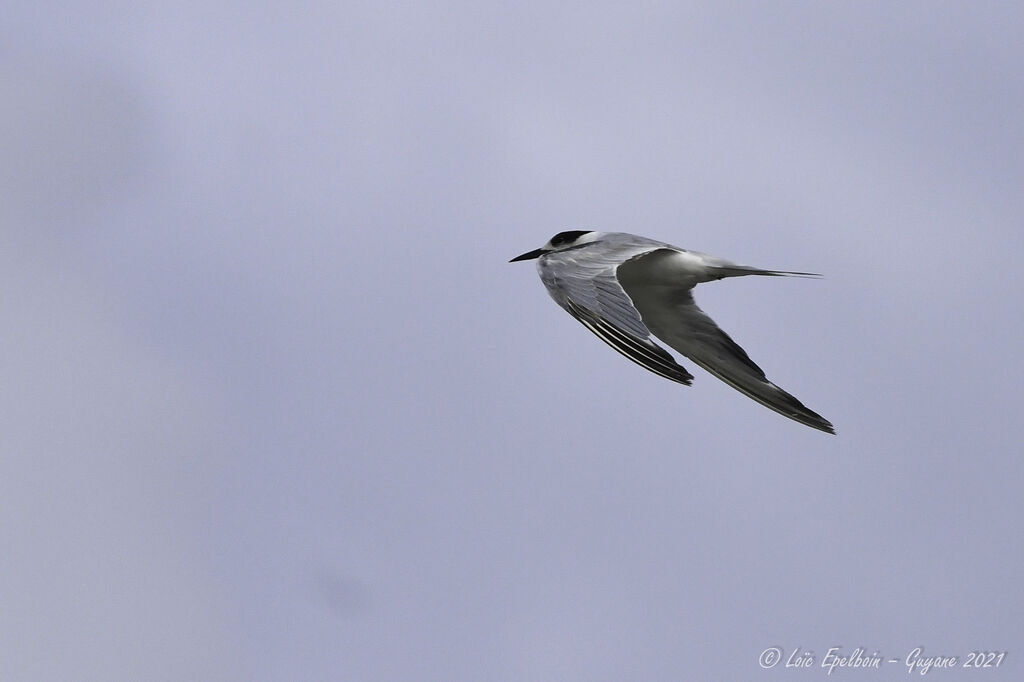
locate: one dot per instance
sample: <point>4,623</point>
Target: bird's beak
<point>530,255</point>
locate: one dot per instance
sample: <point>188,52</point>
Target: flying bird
<point>626,289</point>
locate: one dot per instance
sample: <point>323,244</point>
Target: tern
<point>626,289</point>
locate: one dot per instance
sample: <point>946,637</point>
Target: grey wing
<point>591,293</point>
<point>642,351</point>
<point>673,317</point>
<point>715,351</point>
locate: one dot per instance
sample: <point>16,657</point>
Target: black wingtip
<point>814,420</point>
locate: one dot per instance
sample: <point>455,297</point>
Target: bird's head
<point>563,241</point>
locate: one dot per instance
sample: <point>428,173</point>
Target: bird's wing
<point>642,351</point>
<point>671,314</point>
<point>588,289</point>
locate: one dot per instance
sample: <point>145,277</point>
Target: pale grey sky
<point>276,407</point>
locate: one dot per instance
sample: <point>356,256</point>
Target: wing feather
<point>588,289</point>
<point>643,352</point>
<point>673,316</point>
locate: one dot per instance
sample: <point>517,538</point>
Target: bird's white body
<point>627,288</point>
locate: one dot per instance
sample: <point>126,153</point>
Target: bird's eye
<point>567,237</point>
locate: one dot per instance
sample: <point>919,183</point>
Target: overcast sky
<point>275,406</point>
